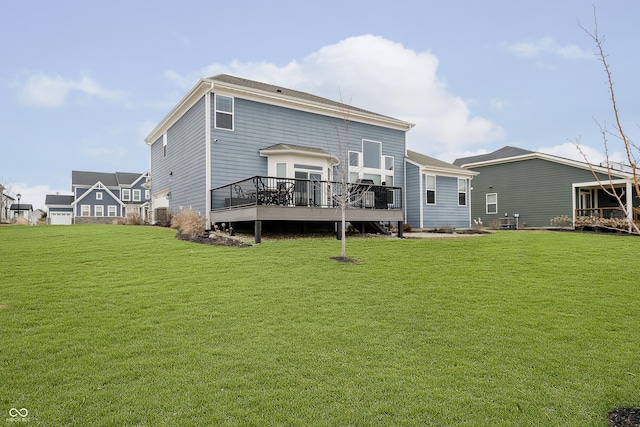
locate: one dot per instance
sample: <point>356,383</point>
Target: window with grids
<point>430,190</point>
<point>462,192</point>
<point>492,203</point>
<point>224,112</point>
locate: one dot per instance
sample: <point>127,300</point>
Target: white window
<point>136,195</point>
<point>111,210</point>
<point>354,159</point>
<point>492,203</point>
<point>126,194</point>
<point>371,154</point>
<point>462,192</point>
<point>99,195</point>
<point>224,112</point>
<point>99,210</point>
<point>146,194</point>
<point>164,145</point>
<point>430,189</point>
<point>85,210</point>
<point>388,163</point>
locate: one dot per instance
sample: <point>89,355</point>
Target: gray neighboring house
<point>253,154</point>
<point>438,193</point>
<point>60,209</point>
<point>517,187</point>
<point>100,197</point>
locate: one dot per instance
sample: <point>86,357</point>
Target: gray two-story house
<point>101,197</point>
<point>248,153</point>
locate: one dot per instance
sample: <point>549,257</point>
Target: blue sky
<point>83,82</point>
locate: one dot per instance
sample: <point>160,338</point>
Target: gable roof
<point>513,154</point>
<point>98,186</point>
<point>22,206</point>
<point>225,84</point>
<point>502,153</point>
<point>108,179</point>
<point>58,199</point>
<point>435,165</point>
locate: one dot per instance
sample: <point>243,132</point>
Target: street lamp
<point>18,196</point>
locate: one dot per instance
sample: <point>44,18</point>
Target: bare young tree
<point>631,150</point>
<point>347,194</point>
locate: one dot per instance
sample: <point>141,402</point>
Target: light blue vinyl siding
<point>446,211</point>
<point>236,156</point>
<point>413,195</point>
<point>182,171</point>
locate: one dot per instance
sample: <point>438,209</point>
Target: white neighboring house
<point>5,202</point>
<point>24,210</point>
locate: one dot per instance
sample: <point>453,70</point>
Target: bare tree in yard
<point>631,150</point>
<point>347,194</point>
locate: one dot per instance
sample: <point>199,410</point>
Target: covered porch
<point>263,198</point>
<point>594,208</point>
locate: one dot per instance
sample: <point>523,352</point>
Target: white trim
<point>486,204</point>
<point>435,170</point>
<point>206,85</point>
<point>435,189</point>
<point>97,186</point>
<point>215,111</point>
<point>207,155</point>
<point>549,157</point>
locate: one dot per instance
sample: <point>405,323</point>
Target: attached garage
<point>60,218</point>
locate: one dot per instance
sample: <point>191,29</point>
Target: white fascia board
<point>550,158</point>
<point>309,106</point>
<point>98,186</point>
<point>202,87</point>
<point>604,182</point>
<point>434,170</point>
<point>301,153</point>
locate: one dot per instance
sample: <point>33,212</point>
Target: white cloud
<point>547,46</point>
<point>379,75</point>
<point>52,91</point>
<point>569,150</point>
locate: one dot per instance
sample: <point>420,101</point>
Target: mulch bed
<point>213,239</point>
<point>624,417</point>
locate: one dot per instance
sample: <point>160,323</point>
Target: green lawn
<point>123,325</point>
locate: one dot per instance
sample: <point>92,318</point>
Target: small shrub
<point>134,219</point>
<point>448,229</point>
<point>561,221</point>
<point>494,224</point>
<point>188,222</point>
<point>119,221</point>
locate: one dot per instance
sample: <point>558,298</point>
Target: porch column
<point>630,205</point>
<point>258,232</point>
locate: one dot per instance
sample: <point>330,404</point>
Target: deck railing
<point>611,217</point>
<point>290,192</point>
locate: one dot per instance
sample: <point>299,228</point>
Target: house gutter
<point>207,151</point>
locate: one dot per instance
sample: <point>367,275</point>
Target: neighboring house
<point>100,197</point>
<point>5,202</point>
<point>243,152</point>
<point>24,210</point>
<point>438,193</point>
<point>60,209</point>
<point>517,187</point>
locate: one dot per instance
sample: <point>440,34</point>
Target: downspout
<point>207,155</point>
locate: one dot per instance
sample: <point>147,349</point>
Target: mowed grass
<point>123,325</point>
